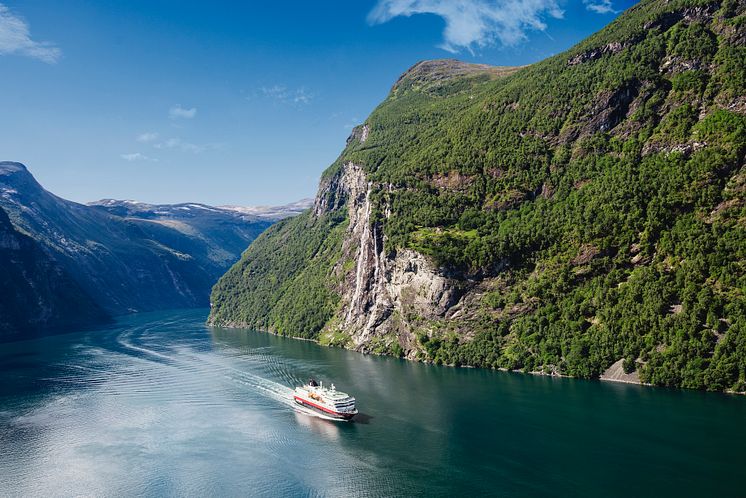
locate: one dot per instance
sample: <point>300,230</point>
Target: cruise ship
<point>328,401</point>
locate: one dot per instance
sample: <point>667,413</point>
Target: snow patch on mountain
<point>247,213</point>
<point>272,213</point>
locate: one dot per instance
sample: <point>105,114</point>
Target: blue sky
<point>233,103</point>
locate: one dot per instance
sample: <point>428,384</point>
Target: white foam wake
<point>132,341</point>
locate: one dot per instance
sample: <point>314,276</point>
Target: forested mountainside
<point>36,292</point>
<point>136,260</point>
<point>581,216</point>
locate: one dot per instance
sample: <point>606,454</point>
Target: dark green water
<point>160,405</point>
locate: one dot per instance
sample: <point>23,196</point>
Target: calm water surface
<point>161,405</point>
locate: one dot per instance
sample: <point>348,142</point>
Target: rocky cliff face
<point>36,293</point>
<point>382,292</point>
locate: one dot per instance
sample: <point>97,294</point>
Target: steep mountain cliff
<point>37,293</point>
<point>582,216</point>
<point>124,256</point>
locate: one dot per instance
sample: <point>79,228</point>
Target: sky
<point>228,102</point>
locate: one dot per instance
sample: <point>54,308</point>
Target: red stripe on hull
<point>345,416</point>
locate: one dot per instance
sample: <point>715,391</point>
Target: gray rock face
<point>382,292</point>
<point>36,293</point>
<point>597,53</point>
<point>359,134</point>
<point>335,191</point>
<point>616,373</point>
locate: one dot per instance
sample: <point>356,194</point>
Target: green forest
<point>600,196</point>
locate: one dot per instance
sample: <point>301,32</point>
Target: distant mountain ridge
<point>194,209</point>
<point>273,213</point>
<point>125,256</point>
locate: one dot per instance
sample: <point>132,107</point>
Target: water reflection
<point>319,426</point>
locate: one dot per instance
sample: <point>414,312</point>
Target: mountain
<point>215,236</point>
<point>273,213</point>
<point>120,255</point>
<point>582,216</point>
<point>37,293</point>
<point>201,213</point>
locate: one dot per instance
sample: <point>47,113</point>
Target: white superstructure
<point>328,401</point>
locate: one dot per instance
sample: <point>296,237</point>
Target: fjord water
<point>162,405</point>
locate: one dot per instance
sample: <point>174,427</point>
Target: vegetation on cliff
<point>301,251</point>
<point>595,198</point>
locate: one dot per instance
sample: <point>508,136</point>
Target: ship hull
<point>323,410</point>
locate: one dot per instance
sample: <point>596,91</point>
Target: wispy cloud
<point>137,156</point>
<point>147,137</point>
<point>184,146</point>
<point>15,38</point>
<point>179,112</point>
<point>474,24</point>
<point>301,96</point>
<point>599,6</point>
<point>177,143</point>
<point>285,95</point>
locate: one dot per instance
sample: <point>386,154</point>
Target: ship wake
<point>250,369</point>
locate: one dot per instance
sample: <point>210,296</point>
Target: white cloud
<point>599,6</point>
<point>284,95</point>
<point>474,24</point>
<point>147,137</point>
<point>275,92</point>
<point>184,146</point>
<point>178,112</point>
<point>136,156</point>
<point>301,96</point>
<point>15,38</point>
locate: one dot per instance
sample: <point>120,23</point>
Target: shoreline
<point>538,373</point>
